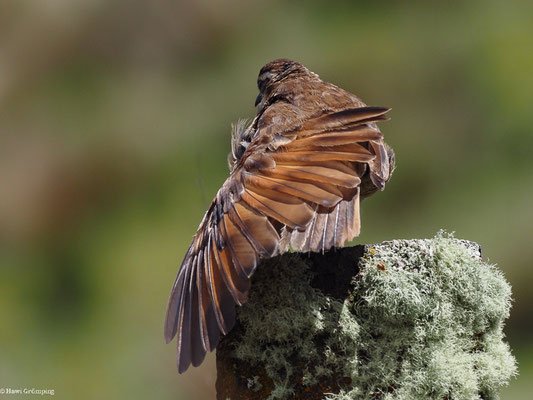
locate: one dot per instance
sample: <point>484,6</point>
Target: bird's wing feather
<point>305,190</point>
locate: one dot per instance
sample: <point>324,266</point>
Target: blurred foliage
<point>114,122</point>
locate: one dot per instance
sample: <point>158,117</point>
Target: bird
<point>298,172</point>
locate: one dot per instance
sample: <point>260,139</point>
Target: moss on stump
<point>406,319</point>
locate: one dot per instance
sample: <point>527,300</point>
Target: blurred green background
<point>114,129</point>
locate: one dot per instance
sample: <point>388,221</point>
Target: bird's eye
<point>263,79</point>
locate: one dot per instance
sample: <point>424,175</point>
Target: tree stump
<point>404,319</point>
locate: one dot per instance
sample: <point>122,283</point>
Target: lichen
<point>285,318</point>
<point>253,384</point>
<point>424,321</point>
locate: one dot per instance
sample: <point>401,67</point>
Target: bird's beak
<point>258,99</point>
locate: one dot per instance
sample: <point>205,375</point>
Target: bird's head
<point>275,72</point>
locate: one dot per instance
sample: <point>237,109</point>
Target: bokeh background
<point>114,129</point>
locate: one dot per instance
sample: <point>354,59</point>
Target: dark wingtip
<point>170,328</point>
<point>168,338</point>
<point>378,109</point>
<point>183,368</point>
<point>384,108</point>
<point>183,359</point>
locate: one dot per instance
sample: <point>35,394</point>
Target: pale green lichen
<point>254,385</point>
<point>284,317</point>
<point>424,321</point>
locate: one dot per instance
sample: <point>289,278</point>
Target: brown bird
<point>298,174</point>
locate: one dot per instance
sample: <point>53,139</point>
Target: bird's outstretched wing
<point>299,190</point>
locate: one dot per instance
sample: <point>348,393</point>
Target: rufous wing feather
<point>301,191</point>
